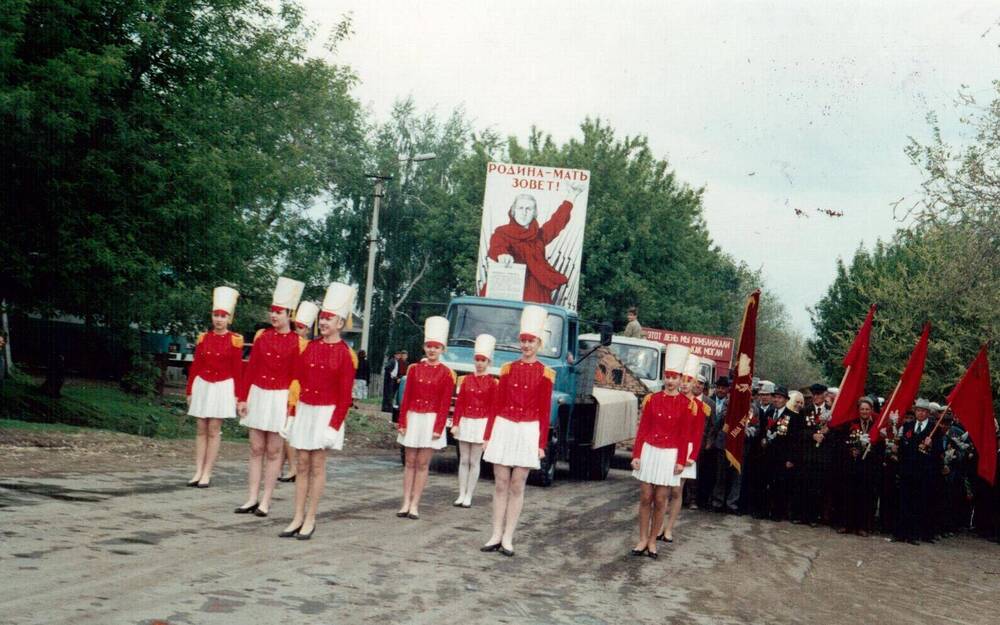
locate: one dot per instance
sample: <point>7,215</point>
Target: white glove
<point>751,431</point>
<point>894,418</point>
<point>287,429</point>
<point>865,439</point>
<point>329,437</point>
<point>883,433</point>
<point>772,435</point>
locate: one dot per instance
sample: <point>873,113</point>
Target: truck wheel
<point>546,474</point>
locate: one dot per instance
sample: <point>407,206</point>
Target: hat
<point>936,407</point>
<point>833,390</point>
<point>436,331</point>
<point>766,387</point>
<point>339,300</point>
<point>692,366</point>
<point>224,299</point>
<point>287,293</point>
<point>484,346</point>
<point>817,388</point>
<point>781,391</point>
<point>922,403</point>
<point>722,381</point>
<point>676,358</point>
<point>533,322</point>
<point>701,378</point>
<point>306,314</point>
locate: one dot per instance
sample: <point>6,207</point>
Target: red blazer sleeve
<point>445,389</point>
<point>236,361</point>
<point>195,367</point>
<point>344,382</point>
<point>698,430</point>
<point>461,401</point>
<point>557,222</point>
<point>250,371</point>
<point>544,407</point>
<point>640,435</point>
<point>496,405</point>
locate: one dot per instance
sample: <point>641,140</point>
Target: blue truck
<point>586,421</point>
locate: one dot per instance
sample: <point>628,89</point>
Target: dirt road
<point>138,547</point>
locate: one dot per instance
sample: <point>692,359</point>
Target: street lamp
<point>380,180</point>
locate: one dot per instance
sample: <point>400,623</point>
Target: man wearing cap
<point>754,479</point>
<point>726,488</point>
<point>919,467</point>
<point>782,428</point>
<point>263,394</point>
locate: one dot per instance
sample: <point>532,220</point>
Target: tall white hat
<point>436,330</point>
<point>677,356</point>
<point>287,293</point>
<point>224,298</point>
<point>484,346</point>
<point>339,300</point>
<point>692,366</point>
<point>307,313</point>
<point>533,321</point>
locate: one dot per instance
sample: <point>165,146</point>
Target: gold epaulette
<point>354,358</point>
<point>257,335</point>
<point>237,340</point>
<point>461,381</point>
<point>645,400</point>
<point>550,374</point>
<point>706,409</point>
<point>303,344</point>
<point>454,377</point>
<point>201,337</point>
<point>505,369</point>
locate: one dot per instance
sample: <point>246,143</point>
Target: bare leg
<point>257,444</point>
<point>420,477</point>
<point>673,509</point>
<point>645,510</point>
<point>515,503</point>
<point>289,456</point>
<point>272,467</point>
<point>475,453</point>
<point>409,472</point>
<point>659,506</point>
<point>301,489</point>
<point>463,470</point>
<point>200,444</point>
<point>211,449</point>
<point>317,482</point>
<point>501,488</point>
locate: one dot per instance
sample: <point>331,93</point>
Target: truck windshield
<point>467,321</point>
<point>642,361</point>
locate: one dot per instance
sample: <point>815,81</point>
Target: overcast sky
<point>771,106</point>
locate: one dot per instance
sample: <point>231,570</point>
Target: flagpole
<point>837,399</point>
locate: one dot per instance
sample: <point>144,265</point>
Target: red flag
<point>972,403</point>
<point>906,389</point>
<point>739,411</point>
<point>852,387</point>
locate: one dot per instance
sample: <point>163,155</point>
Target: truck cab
<point>580,431</point>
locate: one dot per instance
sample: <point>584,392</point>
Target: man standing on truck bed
<point>632,328</point>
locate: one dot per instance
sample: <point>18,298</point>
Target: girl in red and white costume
<point>661,443</point>
<point>473,407</point>
<point>319,397</point>
<point>305,318</point>
<point>263,394</point>
<point>517,432</point>
<point>695,428</point>
<point>423,414</point>
<point>212,383</point>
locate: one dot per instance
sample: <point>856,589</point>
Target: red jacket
<point>698,428</point>
<point>324,376</point>
<point>667,422</point>
<point>524,393</point>
<point>272,361</point>
<point>428,389</point>
<point>476,395</point>
<point>217,357</point>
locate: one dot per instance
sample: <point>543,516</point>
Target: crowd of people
<point>916,483</point>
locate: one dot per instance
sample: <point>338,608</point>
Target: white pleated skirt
<point>656,466</point>
<point>311,429</point>
<point>513,444</point>
<point>472,429</point>
<point>213,400</point>
<point>690,472</point>
<point>266,410</point>
<point>420,431</point>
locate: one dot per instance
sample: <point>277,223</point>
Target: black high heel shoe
<point>290,533</point>
<point>639,552</point>
<point>507,552</point>
<point>193,484</point>
<point>302,536</point>
<point>247,510</point>
<point>489,548</point>
<point>652,554</point>
<point>290,478</point>
<point>260,513</point>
